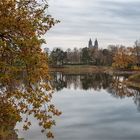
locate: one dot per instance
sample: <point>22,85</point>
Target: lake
<point>94,107</point>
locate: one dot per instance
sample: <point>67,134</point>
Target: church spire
<point>96,43</point>
<point>90,43</point>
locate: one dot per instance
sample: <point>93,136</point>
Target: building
<point>90,45</point>
<point>96,43</point>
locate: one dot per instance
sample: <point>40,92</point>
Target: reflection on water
<point>95,106</point>
<point>83,81</point>
<point>24,96</point>
<point>113,84</point>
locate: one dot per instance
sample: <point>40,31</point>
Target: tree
<point>22,25</point>
<point>85,56</point>
<point>57,57</point>
<point>69,55</point>
<point>124,58</point>
<point>76,55</point>
<point>106,57</point>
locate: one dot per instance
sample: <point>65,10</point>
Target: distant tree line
<point>118,56</point>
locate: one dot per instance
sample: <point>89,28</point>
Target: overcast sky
<point>110,21</point>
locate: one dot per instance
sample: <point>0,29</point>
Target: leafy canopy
<point>24,79</point>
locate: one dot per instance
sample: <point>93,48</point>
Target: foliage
<point>82,56</point>
<point>23,68</point>
<point>119,57</point>
<point>124,58</point>
<point>85,56</point>
<point>57,57</point>
<point>8,118</point>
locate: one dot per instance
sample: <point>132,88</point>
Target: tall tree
<point>85,56</point>
<point>57,57</point>
<point>22,25</point>
<point>124,58</point>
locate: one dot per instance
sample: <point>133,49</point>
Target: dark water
<point>94,106</point>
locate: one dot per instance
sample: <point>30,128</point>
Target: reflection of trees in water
<point>58,81</point>
<point>25,97</point>
<point>82,81</point>
<point>119,89</point>
<point>95,81</point>
<point>73,81</point>
<point>114,84</point>
<point>137,99</point>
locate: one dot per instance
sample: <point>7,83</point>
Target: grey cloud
<point>125,10</point>
<point>109,21</point>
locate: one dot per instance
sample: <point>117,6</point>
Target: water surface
<point>94,106</point>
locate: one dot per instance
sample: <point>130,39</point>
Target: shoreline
<point>97,69</point>
<point>132,84</point>
<point>77,69</point>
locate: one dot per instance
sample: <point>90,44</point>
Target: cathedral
<point>90,45</point>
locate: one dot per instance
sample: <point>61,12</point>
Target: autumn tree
<point>23,68</point>
<point>124,58</point>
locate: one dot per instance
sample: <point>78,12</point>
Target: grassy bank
<point>134,80</point>
<point>90,69</point>
<point>79,69</point>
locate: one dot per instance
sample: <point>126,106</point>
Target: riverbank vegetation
<point>114,59</point>
<point>118,57</point>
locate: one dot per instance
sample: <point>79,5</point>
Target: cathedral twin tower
<point>90,45</point>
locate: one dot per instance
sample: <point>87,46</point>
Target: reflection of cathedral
<point>90,45</point>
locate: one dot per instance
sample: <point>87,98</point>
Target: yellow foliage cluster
<point>24,79</point>
<point>124,58</point>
